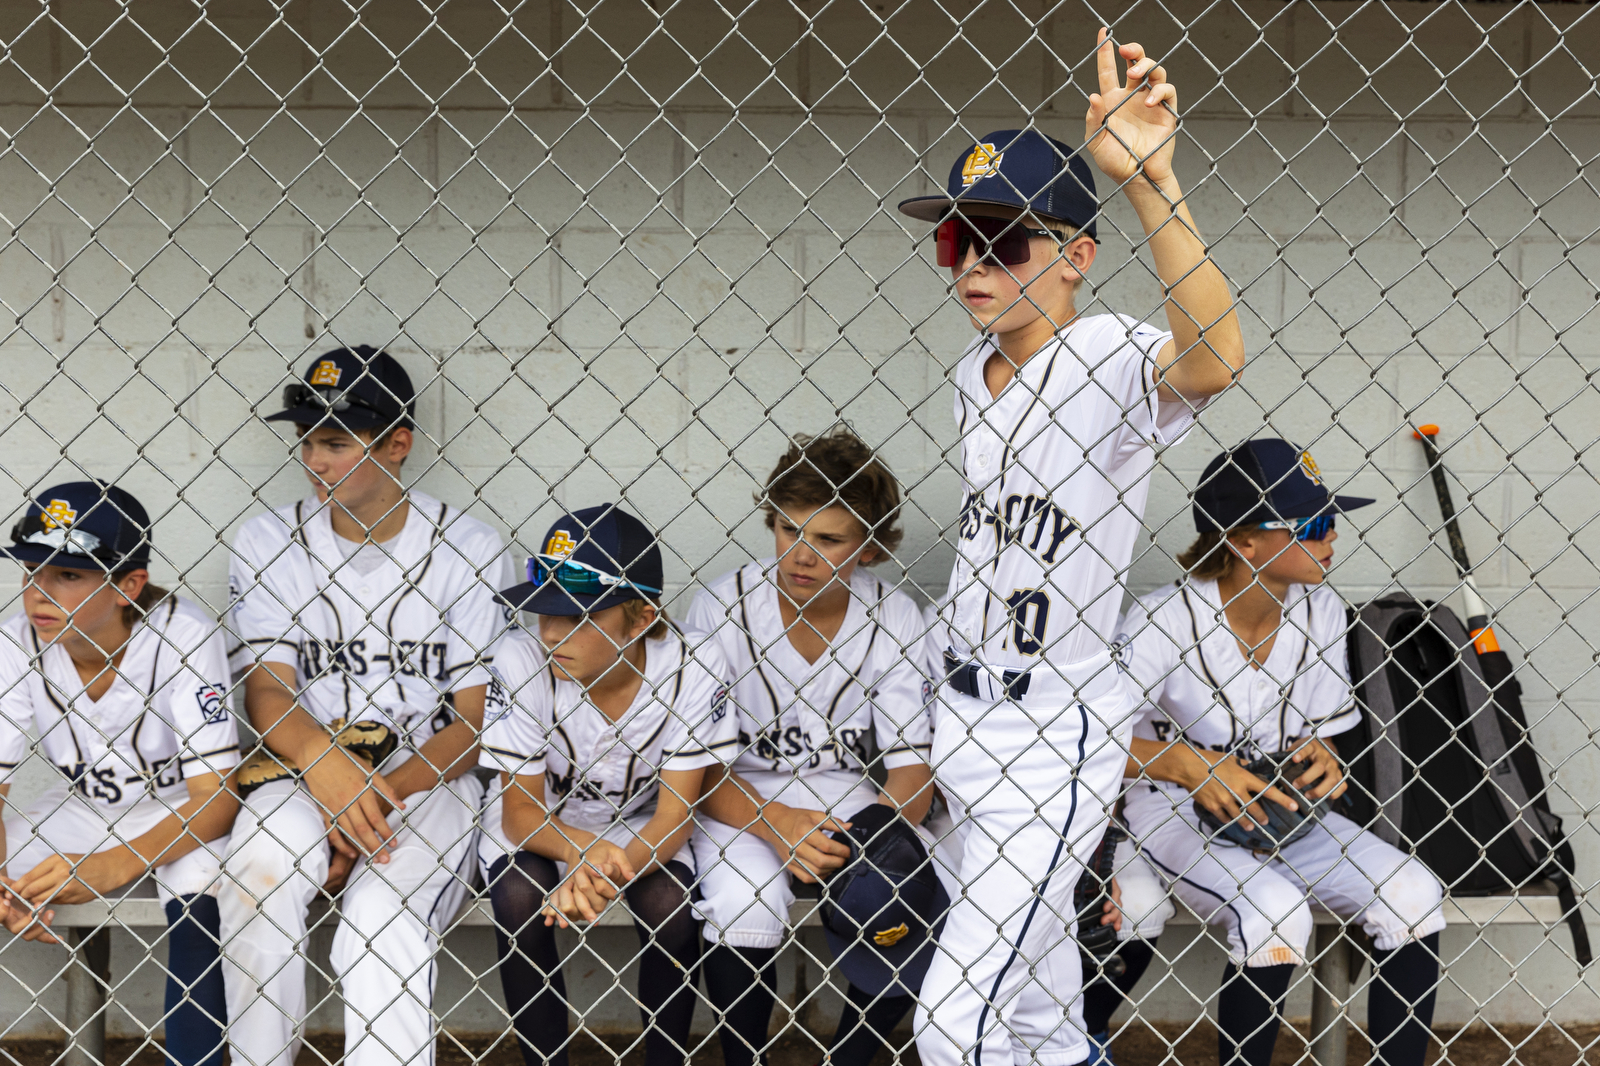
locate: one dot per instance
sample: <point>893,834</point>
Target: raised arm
<point>1131,129</point>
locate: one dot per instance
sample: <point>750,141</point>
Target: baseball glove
<point>373,741</point>
<point>1283,825</point>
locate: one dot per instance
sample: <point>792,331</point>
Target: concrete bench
<point>87,927</point>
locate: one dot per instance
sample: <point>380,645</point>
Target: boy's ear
<point>1080,255</point>
<point>399,445</point>
<point>132,583</point>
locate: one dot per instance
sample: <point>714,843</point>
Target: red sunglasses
<point>1006,240</point>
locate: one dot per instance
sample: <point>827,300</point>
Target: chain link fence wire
<point>625,252</point>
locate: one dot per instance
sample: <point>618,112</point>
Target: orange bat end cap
<point>1429,430</point>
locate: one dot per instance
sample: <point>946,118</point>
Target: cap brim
<point>41,555</point>
<point>352,419</point>
<point>552,599</point>
<point>897,970</point>
<point>937,209</point>
<point>1350,503</point>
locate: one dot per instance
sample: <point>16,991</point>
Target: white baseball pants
<point>383,949</point>
<point>1263,901</point>
<point>63,822</point>
<point>1030,784</point>
<point>745,892</point>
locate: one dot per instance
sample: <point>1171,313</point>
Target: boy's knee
<point>743,915</point>
<point>1276,928</point>
<point>1410,906</point>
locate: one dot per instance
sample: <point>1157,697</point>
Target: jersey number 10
<point>1029,611</point>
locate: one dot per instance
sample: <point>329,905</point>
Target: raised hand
<point>1131,127</point>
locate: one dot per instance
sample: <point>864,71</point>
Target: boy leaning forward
<point>1060,415</point>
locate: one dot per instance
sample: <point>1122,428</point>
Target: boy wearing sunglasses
<point>1060,413</point>
<point>367,607</point>
<point>1243,658</point>
<point>601,731</point>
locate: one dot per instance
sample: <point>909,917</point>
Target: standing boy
<point>366,603</point>
<point>1060,415</point>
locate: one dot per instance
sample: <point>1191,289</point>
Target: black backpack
<point>1443,765</point>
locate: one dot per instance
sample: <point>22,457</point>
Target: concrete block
<point>1556,320</point>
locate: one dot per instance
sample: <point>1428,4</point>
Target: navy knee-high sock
<point>1400,1001</point>
<point>1103,994</point>
<point>197,1008</point>
<point>865,1025</point>
<point>1249,1011</point>
<point>742,984</point>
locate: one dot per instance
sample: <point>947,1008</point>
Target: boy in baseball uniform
<point>126,686</point>
<point>825,665</point>
<point>1060,414</point>
<point>1242,658</point>
<point>365,607</point>
<point>601,731</point>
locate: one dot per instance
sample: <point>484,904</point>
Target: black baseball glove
<point>1283,825</point>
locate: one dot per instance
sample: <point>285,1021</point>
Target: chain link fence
<point>627,252</point>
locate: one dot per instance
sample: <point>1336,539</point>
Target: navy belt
<point>968,678</point>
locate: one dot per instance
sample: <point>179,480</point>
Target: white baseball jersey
<point>164,718</point>
<point>798,719</point>
<point>1182,657</point>
<point>1056,473</point>
<point>382,634</point>
<point>596,770</point>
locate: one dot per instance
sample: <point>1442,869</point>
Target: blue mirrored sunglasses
<point>579,578</point>
<point>1304,528</point>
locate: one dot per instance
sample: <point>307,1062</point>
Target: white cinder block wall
<point>624,255</point>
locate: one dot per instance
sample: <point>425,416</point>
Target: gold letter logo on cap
<point>327,373</point>
<point>561,544</point>
<point>59,513</point>
<point>1309,465</point>
<point>890,937</point>
<point>982,161</point>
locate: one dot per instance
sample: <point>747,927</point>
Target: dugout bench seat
<point>87,928</point>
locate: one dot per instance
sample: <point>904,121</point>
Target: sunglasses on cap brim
<point>1001,240</point>
<point>1316,528</point>
<point>578,578</point>
<point>301,394</point>
<point>34,530</point>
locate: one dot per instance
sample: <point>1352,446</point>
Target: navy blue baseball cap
<point>84,525</point>
<point>1023,169</point>
<point>1264,480</point>
<point>885,907</point>
<point>357,388</point>
<point>590,560</point>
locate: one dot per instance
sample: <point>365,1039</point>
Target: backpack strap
<point>1482,713</point>
<point>1370,677</point>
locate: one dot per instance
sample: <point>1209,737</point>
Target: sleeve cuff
<point>510,762</point>
<point>1334,724</point>
<point>906,755</point>
<point>219,760</point>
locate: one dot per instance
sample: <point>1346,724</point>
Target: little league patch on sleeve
<point>213,704</point>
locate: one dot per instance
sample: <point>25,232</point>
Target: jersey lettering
<point>94,782</point>
<point>792,747</point>
<point>1030,519</point>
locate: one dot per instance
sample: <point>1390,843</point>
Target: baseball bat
<point>1478,626</point>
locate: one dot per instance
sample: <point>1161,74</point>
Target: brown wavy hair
<point>837,467</point>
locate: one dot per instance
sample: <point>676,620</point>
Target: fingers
<point>1162,94</point>
<point>1105,61</point>
<point>340,843</point>
<point>39,930</point>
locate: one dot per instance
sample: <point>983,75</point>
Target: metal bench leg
<point>1330,997</point>
<point>88,977</point>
